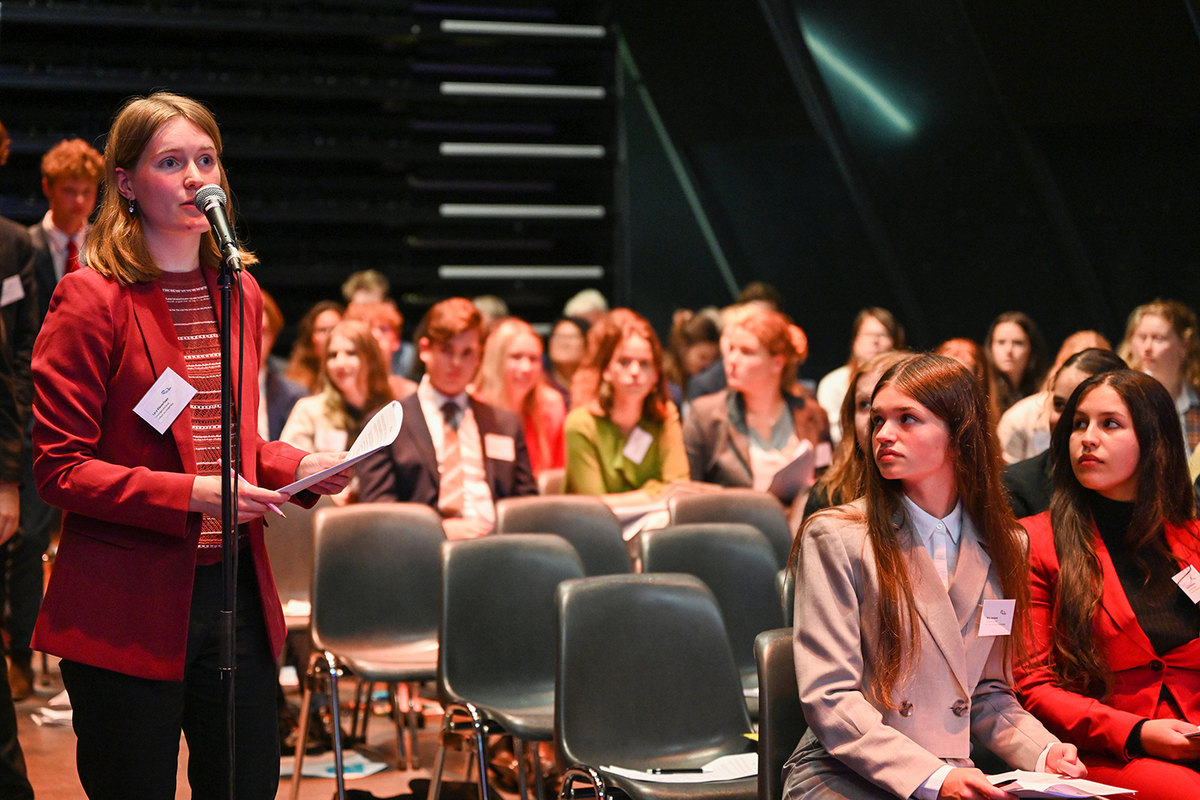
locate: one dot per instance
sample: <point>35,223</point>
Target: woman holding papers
<point>1115,658</point>
<point>904,601</point>
<point>127,413</point>
<point>746,434</point>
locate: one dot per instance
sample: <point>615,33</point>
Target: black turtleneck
<point>1166,615</point>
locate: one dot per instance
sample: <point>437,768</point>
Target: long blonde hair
<point>379,392</point>
<point>116,245</point>
<point>490,385</point>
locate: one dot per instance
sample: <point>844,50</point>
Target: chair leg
<point>586,774</point>
<point>302,728</point>
<point>522,781</point>
<point>537,771</point>
<point>402,757</point>
<point>414,757</point>
<point>334,674</point>
<point>435,784</point>
<point>362,709</point>
<point>478,732</point>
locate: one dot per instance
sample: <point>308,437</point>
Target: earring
<point>131,206</point>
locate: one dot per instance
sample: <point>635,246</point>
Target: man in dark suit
<point>453,453</point>
<point>18,295</point>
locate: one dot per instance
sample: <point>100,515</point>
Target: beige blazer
<point>959,685</point>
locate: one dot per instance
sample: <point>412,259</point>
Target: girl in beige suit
<point>895,673</point>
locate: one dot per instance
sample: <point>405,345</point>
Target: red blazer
<point>120,592</point>
<point>1139,674</point>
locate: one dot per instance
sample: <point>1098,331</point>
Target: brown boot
<point>20,675</point>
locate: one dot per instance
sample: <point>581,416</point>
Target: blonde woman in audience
<point>842,482</point>
<point>1023,430</point>
<point>748,433</point>
<point>511,377</point>
<point>1161,340</point>
<point>624,433</point>
<point>876,330</point>
<point>309,350</point>
<point>353,386</point>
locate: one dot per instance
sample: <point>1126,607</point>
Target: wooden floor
<point>50,754</point>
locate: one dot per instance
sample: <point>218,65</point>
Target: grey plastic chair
<point>737,564</point>
<point>586,522</point>
<point>646,680</point>
<point>759,509</point>
<point>290,549</point>
<point>781,720</point>
<point>785,584</point>
<point>375,587</point>
<point>497,635</point>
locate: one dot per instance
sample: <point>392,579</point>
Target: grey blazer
<point>959,685</point>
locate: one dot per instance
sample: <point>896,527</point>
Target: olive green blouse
<point>598,464</point>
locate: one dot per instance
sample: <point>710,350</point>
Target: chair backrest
<point>586,522</point>
<point>376,575</point>
<point>785,584</point>
<point>759,509</point>
<point>497,625</point>
<point>780,719</point>
<point>645,673</point>
<point>290,549</point>
<point>550,481</point>
<point>737,563</point>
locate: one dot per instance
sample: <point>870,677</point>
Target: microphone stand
<point>229,527</point>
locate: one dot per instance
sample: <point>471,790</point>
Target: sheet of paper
<point>380,432</point>
<point>725,768</point>
<point>1040,784</point>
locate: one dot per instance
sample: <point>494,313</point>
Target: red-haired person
<point>454,453</point>
<point>511,378</point>
<point>896,667</point>
<point>623,433</point>
<point>1115,656</point>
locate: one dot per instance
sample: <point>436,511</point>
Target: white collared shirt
<point>940,536</point>
<point>477,495</point>
<point>58,244</point>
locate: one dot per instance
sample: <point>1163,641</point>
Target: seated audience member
<point>1023,432</point>
<point>1161,340</point>
<point>842,482</point>
<point>372,286</point>
<point>895,674</point>
<point>747,433</point>
<point>276,392</point>
<point>492,309</point>
<point>453,453</point>
<point>693,346</point>
<point>385,322</point>
<point>511,378</point>
<point>1114,657</point>
<point>875,331</point>
<point>623,433</point>
<point>587,304</point>
<point>970,355</point>
<point>565,350</point>
<point>1017,353</point>
<point>353,387</point>
<point>712,379</point>
<point>308,352</point>
<point>1030,483</point>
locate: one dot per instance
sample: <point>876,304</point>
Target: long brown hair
<point>115,246</point>
<point>379,392</point>
<point>304,365</point>
<point>1182,320</point>
<point>951,393</point>
<point>603,338</point>
<point>1164,492</point>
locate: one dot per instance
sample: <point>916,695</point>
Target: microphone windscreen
<point>209,194</point>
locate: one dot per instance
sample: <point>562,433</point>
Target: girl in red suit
<point>134,602</point>
<point>1115,659</point>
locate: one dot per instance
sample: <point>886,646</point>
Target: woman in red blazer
<point>134,601</point>
<point>1115,659</point>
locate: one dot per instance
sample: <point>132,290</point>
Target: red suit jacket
<point>1139,674</point>
<point>120,592</point>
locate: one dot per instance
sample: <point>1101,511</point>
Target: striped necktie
<point>450,488</point>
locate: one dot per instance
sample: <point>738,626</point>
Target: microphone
<point>211,199</point>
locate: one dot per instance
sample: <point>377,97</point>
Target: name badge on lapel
<point>1189,581</point>
<point>499,447</point>
<point>165,401</point>
<point>637,445</point>
<point>12,290</point>
<point>997,617</point>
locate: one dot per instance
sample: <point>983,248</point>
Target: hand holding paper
<point>380,432</point>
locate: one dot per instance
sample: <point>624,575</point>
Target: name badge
<point>637,444</point>
<point>1189,581</point>
<point>499,448</point>
<point>165,401</point>
<point>997,617</point>
<point>12,290</point>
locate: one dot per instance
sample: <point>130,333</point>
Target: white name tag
<point>1189,581</point>
<point>997,617</point>
<point>12,290</point>
<point>637,444</point>
<point>165,401</point>
<point>499,448</point>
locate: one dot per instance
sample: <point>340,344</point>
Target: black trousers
<point>128,728</point>
<point>13,783</point>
